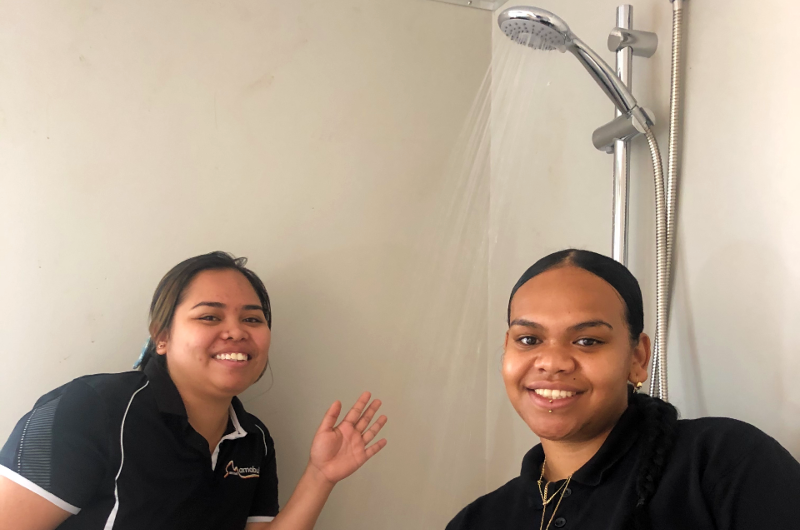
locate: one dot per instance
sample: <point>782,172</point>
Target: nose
<point>234,331</point>
<point>554,359</point>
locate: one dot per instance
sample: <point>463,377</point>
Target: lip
<point>547,404</point>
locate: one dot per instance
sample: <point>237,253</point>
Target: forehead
<point>567,294</point>
<point>227,286</point>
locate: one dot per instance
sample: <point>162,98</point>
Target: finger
<point>373,449</point>
<point>358,408</point>
<point>363,423</point>
<point>330,417</point>
<point>374,430</point>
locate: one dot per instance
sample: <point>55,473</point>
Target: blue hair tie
<point>138,362</point>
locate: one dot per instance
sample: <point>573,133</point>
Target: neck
<point>207,416</point>
<point>565,458</point>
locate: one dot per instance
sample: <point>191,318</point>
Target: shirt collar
<point>622,437</point>
<point>167,396</point>
<point>170,402</point>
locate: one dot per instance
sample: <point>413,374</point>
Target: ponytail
<point>658,440</point>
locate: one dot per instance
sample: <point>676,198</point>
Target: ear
<point>162,342</point>
<point>640,360</point>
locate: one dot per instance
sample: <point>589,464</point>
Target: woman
<point>171,446</point>
<point>611,458</point>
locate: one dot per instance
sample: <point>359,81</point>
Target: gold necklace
<point>546,500</point>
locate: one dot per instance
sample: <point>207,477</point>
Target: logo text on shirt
<point>241,472</point>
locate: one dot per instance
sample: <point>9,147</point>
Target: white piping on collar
<point>238,432</point>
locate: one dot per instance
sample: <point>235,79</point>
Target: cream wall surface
<point>308,135</point>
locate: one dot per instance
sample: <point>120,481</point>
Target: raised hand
<point>339,450</point>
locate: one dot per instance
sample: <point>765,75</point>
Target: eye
<point>208,318</point>
<point>528,340</point>
<point>588,342</point>
<point>253,320</point>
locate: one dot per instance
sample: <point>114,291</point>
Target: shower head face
<point>535,28</point>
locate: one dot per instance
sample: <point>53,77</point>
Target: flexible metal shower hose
<point>659,382</point>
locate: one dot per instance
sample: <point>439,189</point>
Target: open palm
<point>339,450</point>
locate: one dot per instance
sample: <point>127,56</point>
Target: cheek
<point>262,339</point>
<point>514,368</point>
<point>193,337</point>
<point>606,372</point>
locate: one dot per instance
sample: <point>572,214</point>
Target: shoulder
<point>62,445</point>
<point>490,510</point>
<point>721,434</point>
<point>85,407</point>
<point>92,391</point>
<point>721,445</point>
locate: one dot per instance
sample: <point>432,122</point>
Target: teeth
<point>232,357</point>
<point>553,394</point>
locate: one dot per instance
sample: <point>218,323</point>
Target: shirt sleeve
<point>265,503</point>
<point>761,491</point>
<point>59,450</point>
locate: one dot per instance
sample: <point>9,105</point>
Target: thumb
<point>330,418</point>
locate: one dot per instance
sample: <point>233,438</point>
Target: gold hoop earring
<point>637,387</point>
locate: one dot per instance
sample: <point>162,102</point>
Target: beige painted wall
<point>311,136</point>
<point>733,345</point>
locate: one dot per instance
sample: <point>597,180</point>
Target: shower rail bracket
<point>623,128</point>
<point>641,43</point>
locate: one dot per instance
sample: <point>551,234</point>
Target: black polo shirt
<point>723,474</point>
<point>117,451</point>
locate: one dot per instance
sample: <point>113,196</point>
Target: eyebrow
<point>220,305</point>
<point>577,327</point>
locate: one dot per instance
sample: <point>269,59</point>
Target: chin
<point>233,388</point>
<point>550,428</point>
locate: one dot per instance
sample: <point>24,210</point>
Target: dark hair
<point>613,272</point>
<point>660,418</point>
<point>171,288</point>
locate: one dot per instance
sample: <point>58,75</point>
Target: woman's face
<point>568,355</point>
<point>218,344</point>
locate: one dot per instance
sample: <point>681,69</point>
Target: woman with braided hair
<point>610,457</point>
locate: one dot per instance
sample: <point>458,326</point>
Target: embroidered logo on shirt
<point>241,472</point>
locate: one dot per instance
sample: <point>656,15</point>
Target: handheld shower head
<point>535,28</point>
<point>542,30</point>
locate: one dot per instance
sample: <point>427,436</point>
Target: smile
<point>554,394</point>
<point>238,357</point>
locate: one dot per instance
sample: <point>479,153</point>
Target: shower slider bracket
<point>641,43</point>
<point>623,128</point>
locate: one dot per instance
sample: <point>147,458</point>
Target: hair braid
<point>658,439</point>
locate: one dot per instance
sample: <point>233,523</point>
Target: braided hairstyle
<point>660,418</point>
<point>658,439</point>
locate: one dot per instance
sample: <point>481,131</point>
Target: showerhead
<point>535,28</point>
<point>542,30</point>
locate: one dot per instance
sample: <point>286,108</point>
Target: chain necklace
<point>546,500</point>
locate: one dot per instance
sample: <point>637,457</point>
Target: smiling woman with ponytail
<point>610,457</point>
